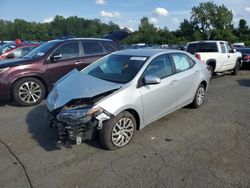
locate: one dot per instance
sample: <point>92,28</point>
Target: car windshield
<point>116,68</point>
<point>41,50</point>
<point>6,47</point>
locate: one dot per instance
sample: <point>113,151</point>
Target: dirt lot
<point>206,147</point>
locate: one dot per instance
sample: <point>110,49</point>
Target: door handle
<point>197,72</point>
<point>174,82</point>
<point>78,62</point>
<point>228,56</point>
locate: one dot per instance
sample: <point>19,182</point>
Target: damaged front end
<point>78,121</point>
<point>73,108</point>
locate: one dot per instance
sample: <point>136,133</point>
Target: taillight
<point>246,57</point>
<point>198,56</point>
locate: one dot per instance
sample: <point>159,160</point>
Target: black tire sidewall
<point>236,68</point>
<point>105,132</point>
<point>18,84</point>
<point>211,70</point>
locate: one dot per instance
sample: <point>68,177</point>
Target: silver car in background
<point>124,92</point>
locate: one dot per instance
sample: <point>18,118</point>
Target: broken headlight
<point>78,115</point>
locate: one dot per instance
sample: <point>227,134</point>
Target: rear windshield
<point>202,47</point>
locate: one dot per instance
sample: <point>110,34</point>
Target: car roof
<point>75,39</point>
<point>145,52</point>
<point>243,49</point>
<point>206,41</point>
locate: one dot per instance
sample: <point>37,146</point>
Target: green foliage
<point>209,16</point>
<point>59,27</point>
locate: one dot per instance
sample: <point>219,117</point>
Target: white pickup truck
<point>219,55</point>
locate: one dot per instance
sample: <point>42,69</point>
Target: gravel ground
<point>205,147</point>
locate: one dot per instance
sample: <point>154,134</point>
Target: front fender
<point>124,99</point>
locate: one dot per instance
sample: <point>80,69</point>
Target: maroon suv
<point>28,80</point>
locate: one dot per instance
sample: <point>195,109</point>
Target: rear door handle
<point>174,82</point>
<point>197,72</point>
<point>78,62</point>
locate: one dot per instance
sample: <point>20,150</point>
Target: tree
<point>186,30</point>
<point>208,16</point>
<point>147,31</point>
<point>242,28</point>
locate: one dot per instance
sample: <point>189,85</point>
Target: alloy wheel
<point>122,132</point>
<point>200,95</point>
<point>30,92</point>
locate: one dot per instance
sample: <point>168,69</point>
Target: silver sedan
<point>123,92</point>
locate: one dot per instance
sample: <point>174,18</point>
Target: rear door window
<point>109,47</point>
<point>181,62</point>
<point>68,50</point>
<point>92,47</point>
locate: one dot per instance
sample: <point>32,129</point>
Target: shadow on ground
<point>38,126</point>
<point>8,103</point>
<point>45,136</point>
<point>245,67</point>
<point>244,82</point>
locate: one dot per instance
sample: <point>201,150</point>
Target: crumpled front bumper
<point>77,133</point>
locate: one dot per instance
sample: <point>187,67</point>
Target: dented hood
<point>77,85</point>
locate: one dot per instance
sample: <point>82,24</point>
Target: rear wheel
<point>118,131</point>
<point>28,91</point>
<point>199,96</point>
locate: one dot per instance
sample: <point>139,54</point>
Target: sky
<point>125,13</point>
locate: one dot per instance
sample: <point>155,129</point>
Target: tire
<point>211,70</point>
<point>199,96</point>
<point>28,91</point>
<point>107,136</point>
<point>236,68</point>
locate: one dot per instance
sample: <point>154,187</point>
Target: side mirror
<point>10,56</point>
<point>234,50</point>
<point>55,56</point>
<point>151,80</point>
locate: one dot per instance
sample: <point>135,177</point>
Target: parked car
<point>12,50</point>
<point>245,56</point>
<point>239,45</point>
<point>125,91</point>
<point>219,55</point>
<point>4,42</point>
<point>28,80</point>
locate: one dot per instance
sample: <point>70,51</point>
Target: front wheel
<point>236,68</point>
<point>199,96</point>
<point>118,131</point>
<point>211,69</point>
<point>28,91</point>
